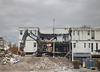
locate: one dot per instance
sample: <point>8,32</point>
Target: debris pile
<point>45,64</point>
<point>6,57</point>
<point>14,50</point>
<point>49,63</point>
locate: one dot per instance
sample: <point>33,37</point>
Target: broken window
<point>21,32</point>
<point>92,34</point>
<point>74,45</point>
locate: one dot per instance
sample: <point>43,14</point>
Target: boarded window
<point>92,34</point>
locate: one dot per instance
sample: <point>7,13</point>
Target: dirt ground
<point>28,63</point>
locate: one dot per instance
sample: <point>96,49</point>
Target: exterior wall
<point>83,33</point>
<point>34,31</point>
<point>80,47</point>
<point>80,37</point>
<point>97,34</point>
<point>61,30</point>
<point>29,45</point>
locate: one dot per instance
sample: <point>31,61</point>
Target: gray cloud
<point>40,13</point>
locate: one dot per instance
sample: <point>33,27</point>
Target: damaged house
<point>57,43</point>
<point>74,43</point>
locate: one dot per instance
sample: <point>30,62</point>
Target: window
<point>78,33</point>
<point>34,44</point>
<point>92,34</point>
<point>84,45</point>
<point>71,46</point>
<point>88,32</point>
<point>73,32</point>
<point>91,47</point>
<point>74,45</point>
<point>96,46</point>
<point>21,32</point>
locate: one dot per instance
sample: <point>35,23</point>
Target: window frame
<point>34,44</point>
<point>21,32</point>
<point>84,45</point>
<point>88,32</point>
<point>91,47</point>
<point>96,46</point>
<point>74,45</point>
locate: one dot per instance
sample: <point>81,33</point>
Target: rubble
<point>6,57</point>
<point>46,63</point>
<point>14,50</point>
<point>7,60</point>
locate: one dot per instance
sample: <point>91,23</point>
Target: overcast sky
<point>40,13</point>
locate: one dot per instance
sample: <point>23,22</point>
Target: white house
<point>84,42</point>
<point>31,44</point>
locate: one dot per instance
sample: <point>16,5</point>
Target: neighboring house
<point>84,42</point>
<point>3,43</point>
<point>30,44</point>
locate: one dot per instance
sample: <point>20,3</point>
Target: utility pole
<point>53,25</point>
<point>53,42</point>
<point>53,49</point>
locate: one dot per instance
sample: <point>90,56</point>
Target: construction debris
<point>6,57</point>
<point>14,50</point>
<point>7,60</point>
